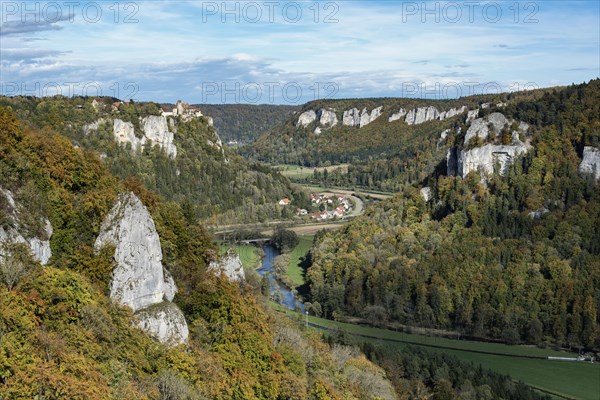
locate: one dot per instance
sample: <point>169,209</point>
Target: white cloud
<point>369,52</point>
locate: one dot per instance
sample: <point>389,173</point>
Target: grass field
<point>249,255</point>
<point>568,379</point>
<point>294,270</point>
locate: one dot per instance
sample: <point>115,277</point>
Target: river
<point>288,298</point>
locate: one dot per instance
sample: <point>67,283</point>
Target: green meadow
<point>572,380</point>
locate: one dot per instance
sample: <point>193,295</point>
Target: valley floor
<point>563,379</point>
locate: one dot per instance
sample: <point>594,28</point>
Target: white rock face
<point>317,131</point>
<point>139,280</point>
<point>591,161</point>
<point>306,118</point>
<point>125,133</point>
<point>422,114</point>
<point>486,158</point>
<point>523,127</point>
<point>164,322</point>
<point>231,266</point>
<point>354,117</point>
<point>327,118</point>
<point>480,126</point>
<point>397,116</point>
<point>471,115</point>
<point>426,193</point>
<point>452,112</point>
<point>351,117</point>
<point>365,118</point>
<point>539,213</point>
<point>443,136</point>
<point>156,129</point>
<point>40,247</point>
<point>88,128</point>
<point>375,113</point>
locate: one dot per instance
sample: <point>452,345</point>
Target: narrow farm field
<point>571,380</point>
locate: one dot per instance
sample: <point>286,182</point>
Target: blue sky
<point>290,52</point>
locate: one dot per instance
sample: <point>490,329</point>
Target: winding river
<point>288,298</point>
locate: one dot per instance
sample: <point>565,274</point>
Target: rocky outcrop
<point>397,116</point>
<point>231,266</point>
<point>421,115</point>
<point>354,117</point>
<point>452,112</point>
<point>156,131</point>
<point>306,118</point>
<point>486,159</point>
<point>539,213</point>
<point>14,232</point>
<point>139,279</point>
<point>471,115</point>
<point>443,137</point>
<point>489,158</point>
<point>124,133</point>
<point>351,117</point>
<point>327,118</point>
<point>481,126</point>
<point>426,193</point>
<point>164,322</point>
<point>591,161</point>
<point>91,127</point>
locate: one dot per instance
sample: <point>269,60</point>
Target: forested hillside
<point>244,123</point>
<point>513,256</point>
<point>387,153</point>
<point>206,176</point>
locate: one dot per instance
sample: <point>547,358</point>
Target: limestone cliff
<point>156,130</point>
<point>591,161</point>
<point>421,115</point>
<point>327,118</point>
<point>480,127</point>
<point>489,158</point>
<point>231,266</point>
<point>307,118</point>
<point>397,116</point>
<point>354,117</point>
<point>15,233</point>
<point>139,279</point>
<point>124,133</point>
<point>164,322</point>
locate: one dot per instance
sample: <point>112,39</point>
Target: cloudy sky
<point>290,52</point>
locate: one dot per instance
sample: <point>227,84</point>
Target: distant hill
<point>388,141</point>
<point>244,123</point>
<point>178,155</point>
